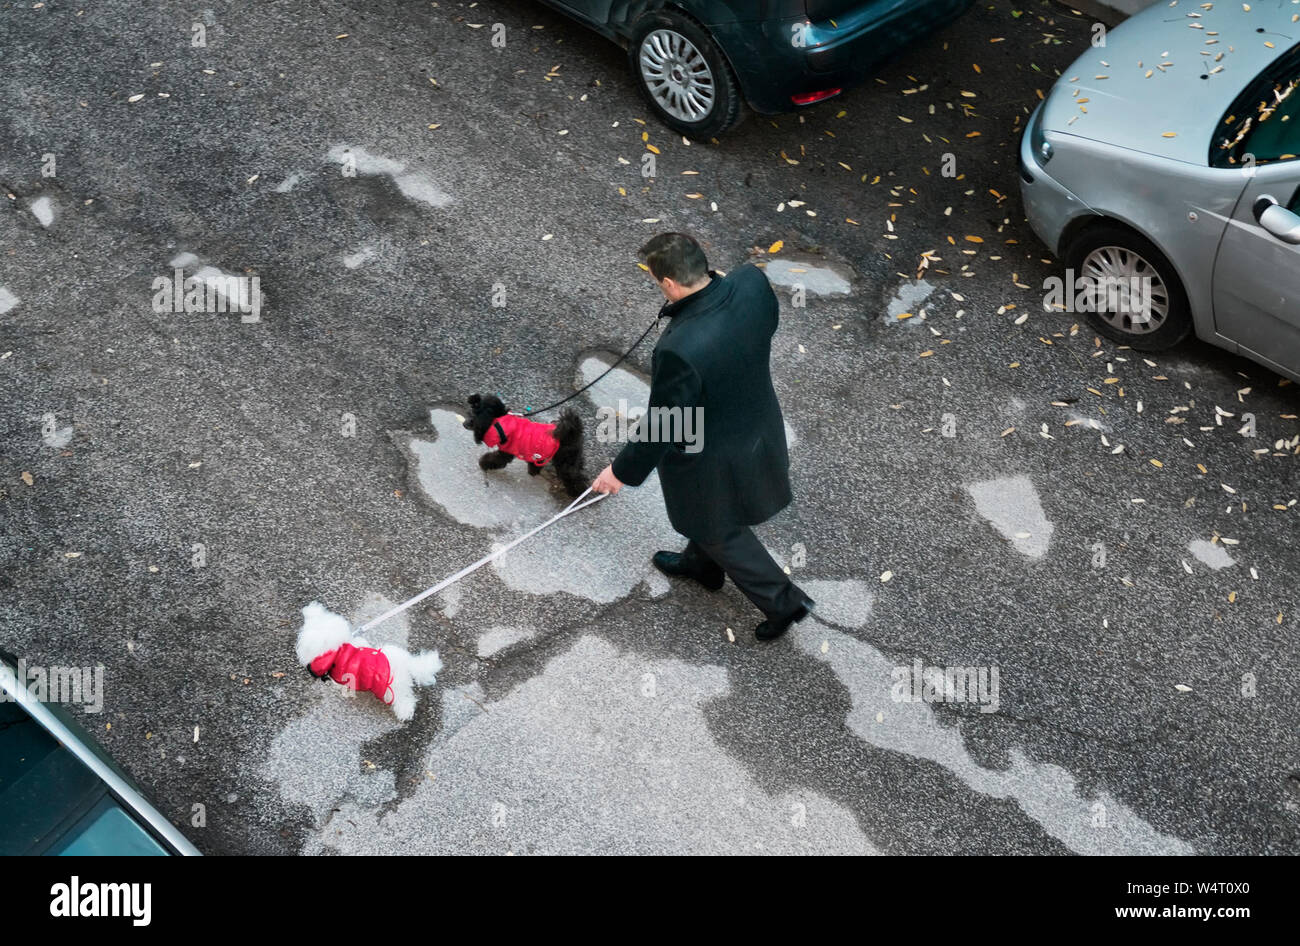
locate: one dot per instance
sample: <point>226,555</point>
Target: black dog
<point>537,444</point>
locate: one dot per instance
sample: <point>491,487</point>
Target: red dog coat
<point>358,668</point>
<point>526,439</point>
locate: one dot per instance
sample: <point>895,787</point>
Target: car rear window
<point>1263,124</point>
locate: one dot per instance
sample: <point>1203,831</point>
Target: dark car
<point>695,61</point>
<point>60,793</point>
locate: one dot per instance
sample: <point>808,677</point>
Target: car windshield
<point>41,783</point>
<point>107,830</point>
<point>50,801</point>
<point>1263,124</point>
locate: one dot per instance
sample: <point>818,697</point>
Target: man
<point>714,356</point>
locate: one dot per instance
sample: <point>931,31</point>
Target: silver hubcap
<point>677,75</point>
<point>1125,290</point>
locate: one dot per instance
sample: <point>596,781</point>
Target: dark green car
<point>60,793</point>
<point>696,61</point>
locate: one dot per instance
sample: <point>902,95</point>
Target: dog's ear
<point>474,401</point>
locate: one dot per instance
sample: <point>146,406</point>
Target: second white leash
<point>571,508</point>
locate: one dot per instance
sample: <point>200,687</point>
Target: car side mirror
<point>1277,220</point>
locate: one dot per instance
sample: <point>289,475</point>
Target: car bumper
<point>1050,207</point>
<point>773,69</point>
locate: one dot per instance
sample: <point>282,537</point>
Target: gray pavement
<point>174,487</point>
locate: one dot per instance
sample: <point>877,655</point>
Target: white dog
<point>327,647</point>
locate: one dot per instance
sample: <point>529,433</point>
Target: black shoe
<point>710,575</point>
<point>773,628</point>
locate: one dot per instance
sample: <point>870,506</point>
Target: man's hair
<point>677,256</point>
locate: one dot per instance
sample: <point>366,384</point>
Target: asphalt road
<point>203,477</point>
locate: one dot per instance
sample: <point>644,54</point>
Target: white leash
<point>572,507</point>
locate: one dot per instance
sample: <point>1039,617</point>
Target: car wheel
<point>1132,294</point>
<point>683,75</point>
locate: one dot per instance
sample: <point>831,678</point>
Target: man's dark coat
<point>715,355</point>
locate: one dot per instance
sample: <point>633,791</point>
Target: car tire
<point>1115,250</point>
<point>683,75</point>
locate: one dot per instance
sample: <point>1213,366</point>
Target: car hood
<point>1174,112</point>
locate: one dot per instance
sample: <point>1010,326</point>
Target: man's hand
<point>607,482</point>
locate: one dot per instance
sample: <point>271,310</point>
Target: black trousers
<point>753,570</point>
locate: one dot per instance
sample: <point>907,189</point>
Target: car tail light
<point>807,98</point>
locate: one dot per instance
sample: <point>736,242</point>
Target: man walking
<point>715,356</point>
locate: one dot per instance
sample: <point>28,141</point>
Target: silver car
<point>1164,169</point>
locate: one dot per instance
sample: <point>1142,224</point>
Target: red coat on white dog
<point>327,647</point>
<point>359,668</point>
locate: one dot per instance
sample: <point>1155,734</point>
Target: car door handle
<point>1277,220</point>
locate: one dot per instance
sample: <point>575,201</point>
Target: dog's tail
<point>568,426</point>
<point>425,667</point>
